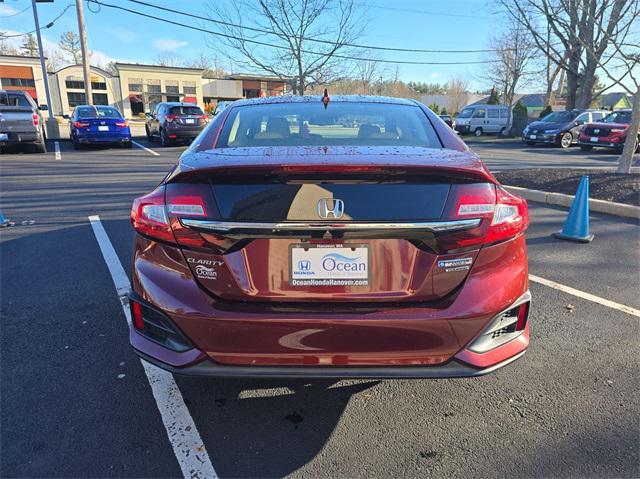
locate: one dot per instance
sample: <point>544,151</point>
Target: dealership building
<point>132,88</point>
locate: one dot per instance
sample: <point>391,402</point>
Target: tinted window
<point>559,117</point>
<point>493,113</point>
<point>15,100</point>
<point>466,113</point>
<point>98,112</point>
<point>618,117</point>
<point>479,113</point>
<point>185,110</point>
<point>597,116</point>
<point>341,123</point>
<point>504,113</point>
<point>584,117</point>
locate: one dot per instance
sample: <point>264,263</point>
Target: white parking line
<point>184,437</point>
<point>587,296</point>
<point>145,148</point>
<point>57,155</point>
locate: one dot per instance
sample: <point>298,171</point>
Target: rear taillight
<point>36,120</point>
<point>81,124</point>
<point>171,118</point>
<point>122,124</point>
<point>157,327</point>
<point>502,215</point>
<point>157,215</point>
<point>149,218</point>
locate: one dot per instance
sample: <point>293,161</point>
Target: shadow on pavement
<point>265,428</point>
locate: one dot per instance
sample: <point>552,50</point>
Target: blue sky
<point>429,24</point>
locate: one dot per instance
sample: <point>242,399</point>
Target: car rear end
<point>20,121</point>
<point>101,125</point>
<point>185,122</point>
<point>390,257</point>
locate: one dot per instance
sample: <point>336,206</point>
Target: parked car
<point>98,125</point>
<point>448,119</point>
<point>173,121</point>
<point>560,128</point>
<point>611,132</point>
<point>481,119</point>
<point>292,249</point>
<point>20,121</point>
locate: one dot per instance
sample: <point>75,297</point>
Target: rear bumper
<point>451,369</point>
<point>411,340</point>
<point>602,142</point>
<point>110,138</point>
<point>548,139</point>
<point>183,132</point>
<point>19,137</point>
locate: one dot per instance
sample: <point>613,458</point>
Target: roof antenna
<point>325,98</point>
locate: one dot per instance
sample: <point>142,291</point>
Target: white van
<point>479,119</point>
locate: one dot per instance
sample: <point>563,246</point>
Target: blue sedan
<point>98,125</point>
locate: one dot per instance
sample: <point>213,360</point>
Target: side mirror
<point>43,108</point>
<point>66,117</point>
<point>580,122</point>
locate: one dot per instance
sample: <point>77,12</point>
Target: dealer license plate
<point>331,265</point>
<point>594,139</point>
<point>103,128</point>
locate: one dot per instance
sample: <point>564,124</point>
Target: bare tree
<point>457,88</point>
<point>211,66</point>
<point>563,23</point>
<point>513,54</point>
<point>289,38</point>
<point>621,64</point>
<point>367,71</point>
<point>5,47</point>
<point>70,43</point>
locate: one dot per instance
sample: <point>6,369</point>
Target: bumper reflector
<point>503,328</point>
<point>157,327</point>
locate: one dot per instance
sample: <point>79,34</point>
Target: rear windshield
<point>9,99</point>
<point>185,110</point>
<point>310,124</point>
<point>98,112</point>
<point>618,117</point>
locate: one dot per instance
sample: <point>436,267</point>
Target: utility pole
<point>85,56</point>
<point>42,62</point>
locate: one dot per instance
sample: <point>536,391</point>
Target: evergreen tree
<point>494,98</point>
<point>30,46</point>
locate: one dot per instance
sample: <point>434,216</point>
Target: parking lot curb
<point>560,199</point>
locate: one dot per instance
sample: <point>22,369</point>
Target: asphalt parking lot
<point>75,401</point>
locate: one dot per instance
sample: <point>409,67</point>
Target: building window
<point>28,82</point>
<point>79,85</point>
<point>189,88</point>
<point>100,98</point>
<point>75,99</point>
<point>153,101</point>
<point>74,84</point>
<point>173,98</point>
<point>154,88</point>
<point>135,87</point>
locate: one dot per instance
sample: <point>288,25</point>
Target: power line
<point>16,14</point>
<point>48,25</point>
<point>425,12</point>
<point>279,47</point>
<point>314,40</point>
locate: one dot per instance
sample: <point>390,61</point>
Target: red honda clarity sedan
<point>315,237</point>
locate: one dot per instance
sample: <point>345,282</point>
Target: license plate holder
<point>533,137</point>
<point>4,137</point>
<point>594,139</point>
<point>103,128</point>
<point>319,265</point>
<point>190,121</point>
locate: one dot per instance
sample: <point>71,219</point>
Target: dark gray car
<point>560,128</point>
<point>20,121</point>
<point>171,122</point>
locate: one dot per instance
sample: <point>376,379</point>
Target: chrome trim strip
<point>238,227</point>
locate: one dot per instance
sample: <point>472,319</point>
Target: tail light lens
<point>157,327</point>
<point>149,218</point>
<point>157,215</point>
<point>36,120</point>
<point>171,118</point>
<point>122,124</point>
<point>502,329</point>
<point>502,215</point>
<point>81,124</point>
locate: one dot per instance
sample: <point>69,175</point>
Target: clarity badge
<point>458,264</point>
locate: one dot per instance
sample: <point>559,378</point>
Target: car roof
<point>332,98</point>
<point>178,103</point>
